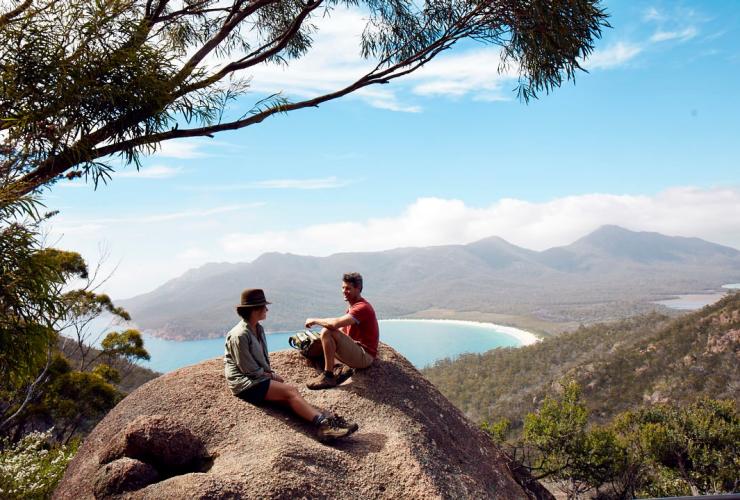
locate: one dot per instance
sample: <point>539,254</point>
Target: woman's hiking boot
<point>335,427</point>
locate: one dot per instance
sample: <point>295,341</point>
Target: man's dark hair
<point>354,279</point>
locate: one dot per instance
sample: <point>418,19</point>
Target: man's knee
<point>327,334</point>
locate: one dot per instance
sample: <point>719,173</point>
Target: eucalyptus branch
<point>234,19</point>
<point>20,9</point>
<point>259,55</point>
<point>30,391</point>
<point>120,73</point>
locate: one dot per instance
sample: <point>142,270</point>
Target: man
<point>352,338</point>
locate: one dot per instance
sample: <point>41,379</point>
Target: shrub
<point>32,467</point>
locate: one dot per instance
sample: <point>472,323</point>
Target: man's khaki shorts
<point>351,353</point>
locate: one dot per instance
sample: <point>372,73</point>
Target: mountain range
<point>610,273</point>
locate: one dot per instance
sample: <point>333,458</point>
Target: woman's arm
<point>244,359</point>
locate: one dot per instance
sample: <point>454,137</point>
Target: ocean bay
<point>421,341</point>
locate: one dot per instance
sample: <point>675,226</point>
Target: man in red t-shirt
<point>352,338</point>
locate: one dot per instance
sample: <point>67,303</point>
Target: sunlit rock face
<point>184,435</point>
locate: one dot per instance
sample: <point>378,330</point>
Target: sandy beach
<point>523,336</point>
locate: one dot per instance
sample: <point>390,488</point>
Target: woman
<point>248,372</point>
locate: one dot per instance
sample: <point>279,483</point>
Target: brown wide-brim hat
<point>253,297</point>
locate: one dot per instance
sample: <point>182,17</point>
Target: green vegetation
<point>657,450</point>
<point>620,366</point>
<point>31,282</point>
<point>32,467</point>
<point>642,407</point>
<point>39,386</point>
<point>85,81</point>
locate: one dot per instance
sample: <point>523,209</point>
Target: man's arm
<point>331,323</point>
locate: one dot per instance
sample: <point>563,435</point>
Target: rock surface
<point>161,441</point>
<point>124,474</point>
<point>412,443</point>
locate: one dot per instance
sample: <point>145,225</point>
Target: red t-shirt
<point>365,331</point>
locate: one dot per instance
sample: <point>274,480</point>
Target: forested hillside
<point>620,365</point>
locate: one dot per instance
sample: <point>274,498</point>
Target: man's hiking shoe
<point>335,427</point>
<point>323,381</point>
<point>343,374</point>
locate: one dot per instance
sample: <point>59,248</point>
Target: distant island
<point>609,274</point>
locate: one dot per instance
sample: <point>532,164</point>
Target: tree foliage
<point>565,449</point>
<point>38,386</point>
<point>692,450</point>
<point>32,278</point>
<point>74,400</point>
<point>81,81</point>
<point>654,450</point>
<point>82,307</point>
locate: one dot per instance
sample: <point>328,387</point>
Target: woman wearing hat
<point>248,372</point>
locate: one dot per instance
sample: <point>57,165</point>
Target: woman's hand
<point>277,378</point>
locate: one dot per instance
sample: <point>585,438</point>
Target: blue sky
<point>648,139</point>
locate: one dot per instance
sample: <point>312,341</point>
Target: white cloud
<point>676,22</point>
<point>680,35</point>
<point>77,229</point>
<point>473,72</point>
<point>192,254</point>
<point>610,57</point>
<point>334,61</point>
<point>301,184</point>
<point>63,226</point>
<point>325,183</point>
<point>182,149</point>
<point>153,172</point>
<point>712,214</point>
<point>652,14</point>
<point>71,184</point>
<point>385,99</point>
<point>158,247</point>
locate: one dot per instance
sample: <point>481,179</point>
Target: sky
<point>647,139</point>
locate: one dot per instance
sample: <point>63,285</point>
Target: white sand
<point>523,336</point>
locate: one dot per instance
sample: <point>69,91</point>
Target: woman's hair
<point>245,312</point>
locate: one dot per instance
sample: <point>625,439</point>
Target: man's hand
<point>310,322</point>
<point>277,378</point>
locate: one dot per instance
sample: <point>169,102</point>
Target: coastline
<point>523,336</point>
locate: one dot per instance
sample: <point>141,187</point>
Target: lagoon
<point>695,301</point>
<point>422,341</point>
<point>691,302</point>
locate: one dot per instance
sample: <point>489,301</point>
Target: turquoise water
<point>422,342</point>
